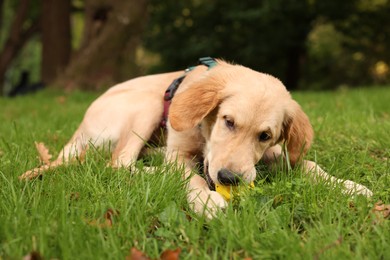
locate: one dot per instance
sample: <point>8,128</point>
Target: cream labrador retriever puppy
<point>229,117</point>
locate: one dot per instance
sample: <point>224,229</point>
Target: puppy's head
<point>241,113</point>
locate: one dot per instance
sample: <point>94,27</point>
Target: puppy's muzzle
<point>226,177</point>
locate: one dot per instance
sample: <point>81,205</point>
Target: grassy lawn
<point>286,216</point>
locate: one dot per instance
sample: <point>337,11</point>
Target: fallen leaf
<point>380,207</point>
<point>61,99</point>
<point>110,213</point>
<point>43,152</point>
<point>34,255</point>
<point>74,196</point>
<point>108,219</point>
<point>136,254</point>
<point>188,216</point>
<point>381,212</point>
<point>278,199</point>
<point>170,254</point>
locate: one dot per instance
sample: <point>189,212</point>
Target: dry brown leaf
<point>278,199</point>
<point>108,219</point>
<point>61,100</point>
<point>34,255</point>
<point>136,254</point>
<point>380,207</point>
<point>170,254</point>
<point>44,155</point>
<point>109,215</point>
<point>381,212</point>
<point>74,196</point>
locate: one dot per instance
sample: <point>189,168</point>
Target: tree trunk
<point>295,58</point>
<point>107,54</point>
<point>56,38</point>
<point>18,36</point>
<point>1,13</point>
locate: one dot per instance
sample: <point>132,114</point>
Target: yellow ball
<point>228,192</point>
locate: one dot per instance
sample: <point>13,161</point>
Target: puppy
<point>227,116</point>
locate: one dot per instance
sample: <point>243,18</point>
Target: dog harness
<point>170,92</point>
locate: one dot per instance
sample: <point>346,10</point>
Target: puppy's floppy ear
<point>189,107</point>
<point>297,132</point>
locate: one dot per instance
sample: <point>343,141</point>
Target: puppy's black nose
<point>226,177</point>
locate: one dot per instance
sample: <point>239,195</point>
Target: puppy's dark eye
<point>264,136</point>
<point>229,123</point>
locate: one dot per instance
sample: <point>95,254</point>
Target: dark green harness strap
<point>170,92</point>
<point>208,61</point>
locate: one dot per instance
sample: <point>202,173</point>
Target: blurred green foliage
<point>308,44</point>
<point>327,43</point>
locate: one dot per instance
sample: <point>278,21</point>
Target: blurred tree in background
<point>16,30</point>
<point>103,50</point>
<point>91,44</point>
<point>292,40</point>
<point>111,36</point>
<point>267,35</point>
<point>354,51</point>
<point>55,38</point>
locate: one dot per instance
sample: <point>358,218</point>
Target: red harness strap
<point>169,93</point>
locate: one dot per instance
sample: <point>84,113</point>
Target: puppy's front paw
<point>356,188</point>
<point>117,164</point>
<point>206,202</point>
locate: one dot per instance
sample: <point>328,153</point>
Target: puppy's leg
<point>317,173</point>
<point>202,199</point>
<point>127,150</point>
<point>76,147</point>
<point>133,138</point>
<point>182,149</point>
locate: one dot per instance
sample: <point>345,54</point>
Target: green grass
<point>285,217</point>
